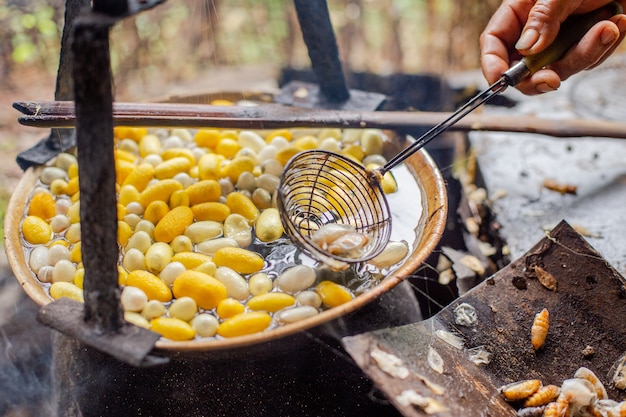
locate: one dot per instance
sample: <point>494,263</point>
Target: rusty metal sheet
<point>586,315</point>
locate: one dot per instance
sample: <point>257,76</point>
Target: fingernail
<point>608,36</point>
<point>527,40</point>
<point>621,25</point>
<point>544,88</point>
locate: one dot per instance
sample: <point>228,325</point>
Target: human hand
<point>526,27</point>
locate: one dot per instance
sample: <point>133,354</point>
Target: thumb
<point>542,26</point>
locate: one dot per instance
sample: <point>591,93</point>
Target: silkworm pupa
<point>539,329</point>
<point>520,390</point>
<point>586,373</point>
<point>544,395</point>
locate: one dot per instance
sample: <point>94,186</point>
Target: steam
<point>25,354</point>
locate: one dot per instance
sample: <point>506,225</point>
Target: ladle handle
<point>571,31</point>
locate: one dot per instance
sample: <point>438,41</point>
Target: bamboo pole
<point>60,114</point>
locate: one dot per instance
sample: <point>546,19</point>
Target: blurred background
<point>177,40</point>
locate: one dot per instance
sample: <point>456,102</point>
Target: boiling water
<point>408,220</point>
<point>407,209</point>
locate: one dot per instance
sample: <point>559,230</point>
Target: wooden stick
<point>60,114</point>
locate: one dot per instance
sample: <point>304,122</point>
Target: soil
<point>15,138</point>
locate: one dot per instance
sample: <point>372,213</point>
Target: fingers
<point>597,45</point>
<point>542,26</point>
<point>543,81</point>
<point>544,22</point>
<point>500,35</point>
<point>620,21</point>
<point>532,25</point>
<point>538,21</point>
<point>494,59</point>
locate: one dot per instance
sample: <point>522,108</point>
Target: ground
<point>15,138</point>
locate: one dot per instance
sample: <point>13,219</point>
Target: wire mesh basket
<point>319,188</point>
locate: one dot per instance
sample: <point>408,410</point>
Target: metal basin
<point>428,226</point>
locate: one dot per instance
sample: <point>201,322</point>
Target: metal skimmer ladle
<point>322,187</point>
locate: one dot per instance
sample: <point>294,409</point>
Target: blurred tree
<point>29,35</point>
<point>180,39</point>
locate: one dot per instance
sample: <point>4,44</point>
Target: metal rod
<point>318,35</point>
<point>493,90</point>
<point>99,322</point>
<point>96,168</point>
<point>268,116</point>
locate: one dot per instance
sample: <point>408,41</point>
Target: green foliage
<point>180,39</point>
<point>33,32</point>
